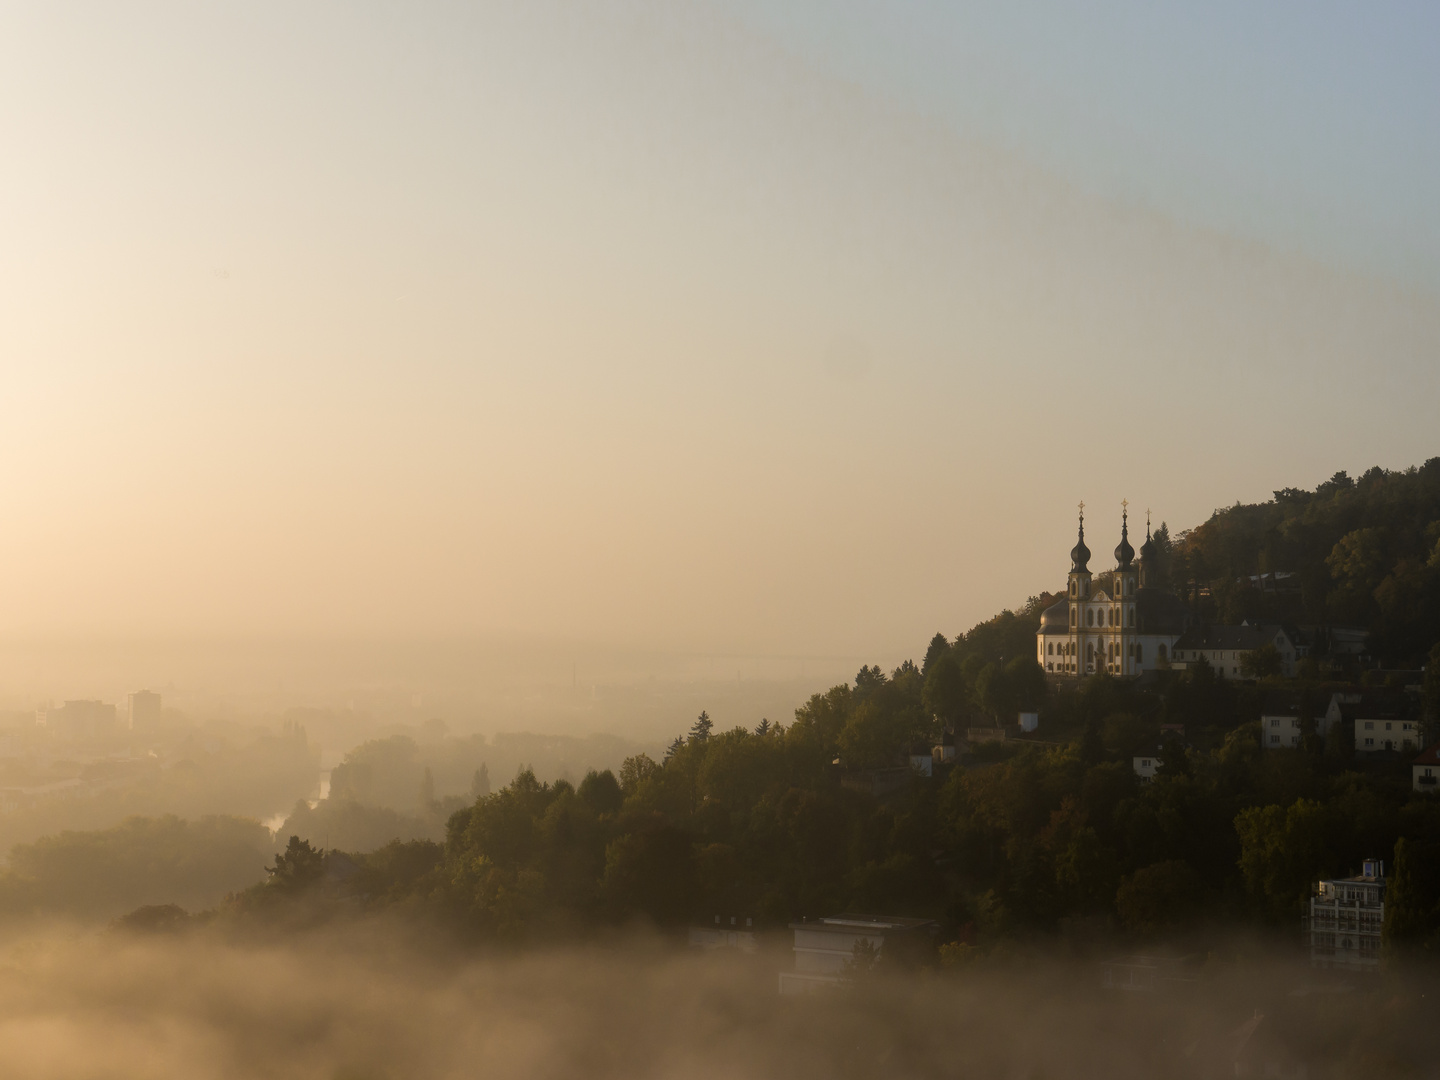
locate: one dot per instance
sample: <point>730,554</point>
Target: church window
<point>1140,652</point>
<point>1132,616</point>
<point>1072,588</point>
<point>1050,649</point>
<point>1090,617</point>
<point>1160,650</point>
<point>1072,616</point>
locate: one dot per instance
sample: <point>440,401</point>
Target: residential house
<point>1282,719</point>
<point>1224,647</point>
<point>1425,770</point>
<point>1146,766</point>
<point>1382,722</point>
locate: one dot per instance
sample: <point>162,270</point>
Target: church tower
<point>1149,560</point>
<point>1125,570</point>
<point>1079,569</point>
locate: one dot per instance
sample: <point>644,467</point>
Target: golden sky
<point>616,322</point>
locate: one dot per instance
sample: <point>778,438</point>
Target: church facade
<point>1119,621</point>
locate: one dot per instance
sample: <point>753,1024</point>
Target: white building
<point>1119,622</point>
<point>1381,723</point>
<point>1425,770</point>
<point>1281,720</point>
<point>825,948</point>
<point>1224,648</point>
<point>1146,766</point>
<point>1345,919</point>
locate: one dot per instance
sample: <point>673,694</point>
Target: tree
<point>480,782</point>
<point>945,692</point>
<point>600,791</point>
<point>635,771</point>
<point>700,730</point>
<point>1262,663</point>
<point>938,647</point>
<point>297,868</point>
<point>873,736</point>
<point>1282,852</point>
<point>868,680</point>
<point>1412,897</point>
<point>763,728</point>
<point>1160,898</point>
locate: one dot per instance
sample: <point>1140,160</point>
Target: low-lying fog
<point>366,1003</point>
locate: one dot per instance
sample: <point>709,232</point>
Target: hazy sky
<point>771,327</point>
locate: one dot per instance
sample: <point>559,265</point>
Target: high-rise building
<point>144,710</point>
<point>82,719</point>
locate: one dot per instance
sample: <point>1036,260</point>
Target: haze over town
<point>576,538</point>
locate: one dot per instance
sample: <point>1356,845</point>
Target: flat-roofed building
<point>144,710</point>
<point>1345,918</point>
<point>825,948</point>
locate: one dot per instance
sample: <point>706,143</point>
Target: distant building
<point>1029,721</point>
<point>81,719</point>
<point>144,711</point>
<point>922,758</point>
<point>1144,974</point>
<point>945,751</point>
<point>1425,770</point>
<point>1345,919</point>
<point>825,948</point>
<point>727,932</point>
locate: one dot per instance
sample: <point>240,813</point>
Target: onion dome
<point>1080,554</point>
<point>1148,551</point>
<point>1124,554</point>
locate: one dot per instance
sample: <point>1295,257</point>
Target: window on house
<point>1369,725</point>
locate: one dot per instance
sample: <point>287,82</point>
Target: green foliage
<point>298,868</point>
<point>1159,899</point>
<point>1363,552</point>
<point>1412,898</point>
<point>144,861</point>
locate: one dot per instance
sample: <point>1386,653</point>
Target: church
<point>1119,621</point>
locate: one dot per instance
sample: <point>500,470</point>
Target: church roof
<point>1160,612</point>
<point>1057,614</point>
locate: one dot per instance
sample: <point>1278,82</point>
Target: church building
<point>1119,621</point>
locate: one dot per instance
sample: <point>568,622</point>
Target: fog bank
<point>367,1004</point>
